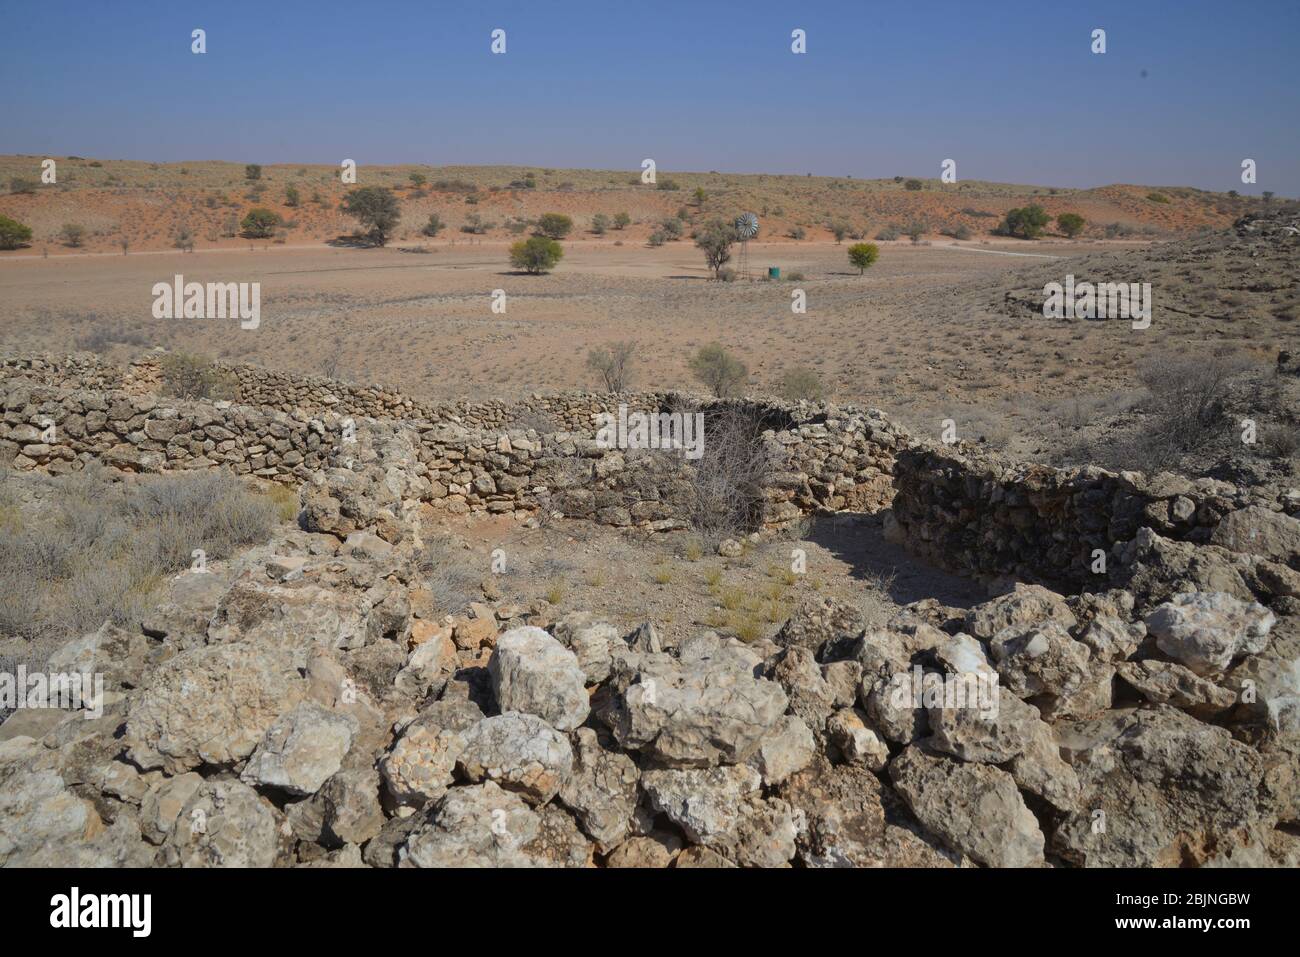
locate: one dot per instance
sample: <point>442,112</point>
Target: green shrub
<point>291,196</point>
<point>1026,222</point>
<point>189,376</point>
<point>622,220</point>
<point>22,186</point>
<point>252,171</point>
<point>1157,197</point>
<point>74,234</point>
<point>434,226</point>
<point>376,208</point>
<point>1070,223</point>
<point>600,224</point>
<point>913,185</point>
<point>13,233</point>
<point>536,254</point>
<point>554,225</point>
<point>863,255</point>
<point>259,223</point>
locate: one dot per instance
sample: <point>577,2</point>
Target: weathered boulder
<point>223,824</point>
<point>1206,631</point>
<point>601,790</point>
<point>477,826</point>
<point>210,705</point>
<point>520,752</point>
<point>705,708</point>
<point>302,749</point>
<point>975,808</point>
<point>533,673</point>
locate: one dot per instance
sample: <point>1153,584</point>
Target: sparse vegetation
<point>719,370</point>
<point>433,227</point>
<point>98,547</point>
<point>611,364</point>
<point>252,172</point>
<point>801,383</point>
<point>189,376</point>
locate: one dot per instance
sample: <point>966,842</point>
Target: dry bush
<point>724,487</point>
<point>97,548</point>
<point>445,574</point>
<point>186,376</point>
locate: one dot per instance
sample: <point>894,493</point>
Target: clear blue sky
<point>1008,89</point>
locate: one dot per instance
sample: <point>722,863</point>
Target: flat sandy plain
<point>916,336</point>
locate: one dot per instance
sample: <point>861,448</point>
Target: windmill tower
<point>746,227</point>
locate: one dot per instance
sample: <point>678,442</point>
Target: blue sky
<point>1008,89</point>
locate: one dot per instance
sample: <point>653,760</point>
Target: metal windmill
<point>746,227</point>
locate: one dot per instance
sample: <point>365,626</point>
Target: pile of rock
<point>309,704</point>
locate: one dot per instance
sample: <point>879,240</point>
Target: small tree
<point>600,224</point>
<point>913,185</point>
<point>716,239</point>
<point>839,231</point>
<point>610,363</point>
<point>1070,223</point>
<point>554,225</point>
<point>671,227</point>
<point>700,196</point>
<point>434,226</point>
<point>74,234</point>
<point>291,196</point>
<point>1026,223</point>
<point>184,240</point>
<point>622,220</point>
<point>376,208</point>
<point>259,223</point>
<point>13,233</point>
<point>252,171</point>
<point>863,255</point>
<point>417,179</point>
<point>719,370</point>
<point>536,254</point>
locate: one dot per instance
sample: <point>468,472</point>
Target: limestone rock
<point>533,673</point>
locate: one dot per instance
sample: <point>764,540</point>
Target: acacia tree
<point>1026,222</point>
<point>536,254</point>
<point>554,225</point>
<point>376,208</point>
<point>716,239</point>
<point>1070,223</point>
<point>863,255</point>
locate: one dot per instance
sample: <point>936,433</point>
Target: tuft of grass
<point>554,593</point>
<point>732,598</point>
<point>285,500</point>
<point>663,575</point>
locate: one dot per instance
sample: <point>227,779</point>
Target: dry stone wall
<point>990,518</point>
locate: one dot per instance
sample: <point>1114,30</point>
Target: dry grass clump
<point>96,548</point>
